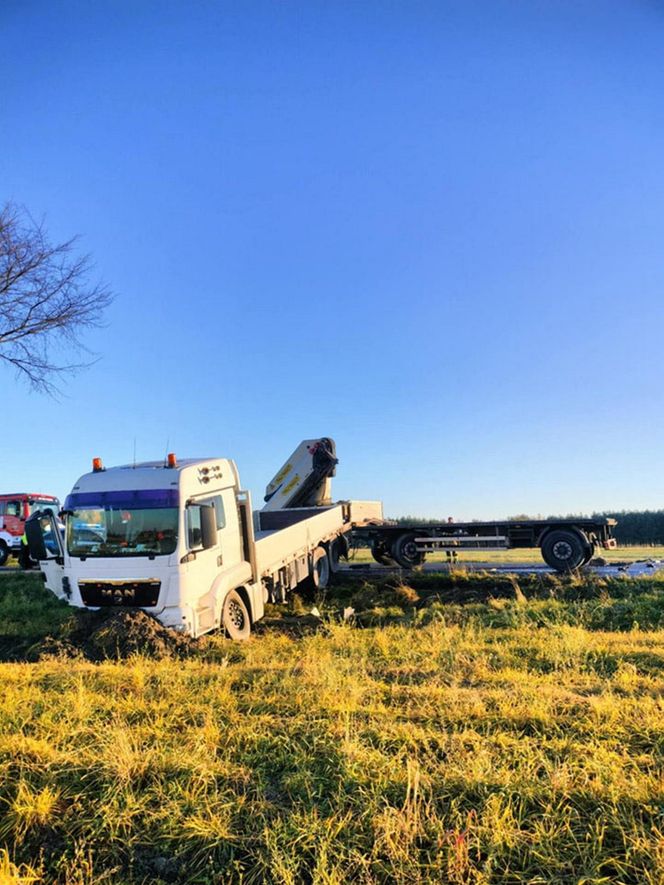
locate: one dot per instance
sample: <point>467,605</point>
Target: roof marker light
<point>97,466</point>
<point>172,460</point>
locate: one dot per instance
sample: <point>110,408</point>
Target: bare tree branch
<point>46,300</point>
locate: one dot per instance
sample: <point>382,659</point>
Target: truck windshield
<point>129,524</point>
<point>42,504</point>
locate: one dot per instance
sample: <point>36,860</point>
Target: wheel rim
<point>410,550</point>
<point>406,552</point>
<point>562,550</point>
<point>235,614</point>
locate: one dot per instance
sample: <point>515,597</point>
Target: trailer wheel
<point>564,550</point>
<point>4,553</point>
<point>235,617</point>
<point>381,556</point>
<point>405,552</point>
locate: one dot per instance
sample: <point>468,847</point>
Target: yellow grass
<point>438,754</point>
<point>492,730</point>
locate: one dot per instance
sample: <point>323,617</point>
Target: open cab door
<point>45,542</point>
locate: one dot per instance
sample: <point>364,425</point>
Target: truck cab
<point>163,536</point>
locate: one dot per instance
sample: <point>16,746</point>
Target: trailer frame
<point>566,544</point>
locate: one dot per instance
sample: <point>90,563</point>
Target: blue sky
<point>431,230</point>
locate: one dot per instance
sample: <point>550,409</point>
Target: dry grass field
<point>464,729</point>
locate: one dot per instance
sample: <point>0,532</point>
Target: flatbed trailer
<point>565,544</point>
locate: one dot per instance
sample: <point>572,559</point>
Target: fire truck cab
<point>15,508</point>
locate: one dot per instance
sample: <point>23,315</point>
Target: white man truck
<point>179,538</point>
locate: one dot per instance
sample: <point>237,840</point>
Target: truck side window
<point>194,534</point>
<point>13,508</point>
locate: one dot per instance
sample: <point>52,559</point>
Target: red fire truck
<point>14,510</point>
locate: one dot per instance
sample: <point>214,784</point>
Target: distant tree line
<point>634,526</point>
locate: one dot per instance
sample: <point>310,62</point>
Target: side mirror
<point>208,527</point>
<point>35,536</point>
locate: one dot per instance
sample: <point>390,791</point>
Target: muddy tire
<point>235,618</point>
<point>4,553</point>
<point>564,550</point>
<point>405,552</point>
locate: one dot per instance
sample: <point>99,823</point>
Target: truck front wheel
<point>234,616</point>
<point>405,551</point>
<point>564,551</point>
<point>4,553</point>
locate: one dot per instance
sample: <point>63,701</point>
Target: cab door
<point>46,545</point>
<point>228,548</point>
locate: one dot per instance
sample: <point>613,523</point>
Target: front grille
<point>119,593</point>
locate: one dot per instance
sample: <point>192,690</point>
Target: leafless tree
<point>47,298</point>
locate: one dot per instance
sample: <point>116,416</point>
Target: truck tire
<point>381,555</point>
<point>235,617</point>
<point>320,572</point>
<point>318,577</point>
<point>405,552</point>
<point>564,550</point>
<point>337,550</point>
<point>4,553</point>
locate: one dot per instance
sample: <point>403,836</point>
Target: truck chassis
<point>565,544</point>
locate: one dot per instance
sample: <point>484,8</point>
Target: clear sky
<point>431,230</point>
